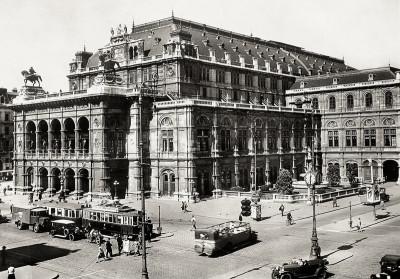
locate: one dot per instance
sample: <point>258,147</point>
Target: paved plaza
<point>171,255</point>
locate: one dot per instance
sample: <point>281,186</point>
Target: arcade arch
<point>390,170</point>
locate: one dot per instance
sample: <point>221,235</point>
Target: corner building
<point>210,104</point>
<point>360,120</point>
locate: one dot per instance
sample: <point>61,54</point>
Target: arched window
<point>315,103</point>
<point>131,53</point>
<point>388,99</point>
<point>332,102</point>
<point>350,101</point>
<point>368,100</point>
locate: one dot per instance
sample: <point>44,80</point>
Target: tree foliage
<point>352,173</point>
<point>333,175</point>
<point>284,182</point>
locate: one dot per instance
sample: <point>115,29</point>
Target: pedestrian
<point>359,225</point>
<point>139,240</point>
<point>136,248</point>
<point>183,206</point>
<point>282,208</point>
<point>126,246</point>
<point>289,218</point>
<point>240,217</point>
<point>120,244</point>
<point>3,256</point>
<point>318,251</point>
<point>148,230</point>
<point>40,195</point>
<point>193,220</point>
<point>100,254</point>
<point>334,202</point>
<point>11,272</point>
<point>186,206</point>
<point>11,208</point>
<point>108,249</point>
<point>5,191</point>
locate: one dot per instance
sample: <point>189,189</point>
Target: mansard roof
<point>222,41</point>
<point>350,77</point>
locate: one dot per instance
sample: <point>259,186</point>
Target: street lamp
<point>310,179</point>
<point>145,274</point>
<point>116,183</point>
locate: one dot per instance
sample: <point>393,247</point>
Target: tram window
<point>125,220</point>
<point>131,221</point>
<point>114,218</point>
<point>52,211</point>
<point>106,217</point>
<point>120,219</point>
<point>59,212</point>
<point>101,216</point>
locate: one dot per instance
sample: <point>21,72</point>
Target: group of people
<point>125,246</point>
<point>289,218</point>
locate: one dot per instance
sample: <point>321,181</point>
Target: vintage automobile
<point>223,237</point>
<point>301,269</point>
<point>34,216</point>
<point>390,266</point>
<point>66,229</point>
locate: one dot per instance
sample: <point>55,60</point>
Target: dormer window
<point>157,41</point>
<point>267,49</point>
<point>244,43</point>
<point>221,46</point>
<point>293,61</point>
<point>283,59</point>
<point>303,84</point>
<point>371,77</point>
<point>300,71</point>
<point>206,42</point>
<point>235,48</point>
<point>218,37</point>
<point>248,51</point>
<point>312,66</point>
<point>307,58</point>
<point>278,51</point>
<point>204,33</point>
<point>231,40</point>
<point>336,80</point>
<point>257,46</point>
<point>260,53</point>
<point>272,57</point>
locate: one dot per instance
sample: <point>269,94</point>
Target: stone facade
<point>360,120</point>
<point>198,108</point>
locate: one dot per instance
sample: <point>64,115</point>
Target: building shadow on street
<point>33,254</point>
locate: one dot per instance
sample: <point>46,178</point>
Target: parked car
<point>66,229</point>
<point>34,216</point>
<point>301,269</point>
<point>390,265</point>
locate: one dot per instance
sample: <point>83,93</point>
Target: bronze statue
<point>32,76</point>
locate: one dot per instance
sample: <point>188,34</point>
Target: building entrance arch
<point>390,170</point>
<point>168,183</point>
<point>55,179</point>
<point>203,183</point>
<point>69,180</point>
<point>43,179</point>
<point>29,177</point>
<point>84,180</point>
<point>370,170</point>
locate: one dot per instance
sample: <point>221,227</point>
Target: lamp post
<point>145,274</point>
<point>116,183</point>
<point>310,179</point>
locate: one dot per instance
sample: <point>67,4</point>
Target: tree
<point>284,182</point>
<point>333,175</point>
<point>352,173</point>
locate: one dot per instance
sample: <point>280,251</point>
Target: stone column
<point>267,171</point>
<point>236,172</point>
<point>63,146</point>
<point>77,134</point>
<point>50,141</point>
<point>50,184</point>
<point>279,142</point>
<point>266,138</point>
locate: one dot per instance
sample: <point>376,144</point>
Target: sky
<point>46,34</point>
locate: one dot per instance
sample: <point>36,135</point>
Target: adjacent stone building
<point>360,119</point>
<point>205,107</point>
<point>6,134</point>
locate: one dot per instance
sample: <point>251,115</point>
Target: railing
<point>318,197</point>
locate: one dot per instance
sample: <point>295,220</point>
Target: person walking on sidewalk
<point>183,206</point>
<point>120,244</point>
<point>193,220</point>
<point>359,225</point>
<point>281,208</point>
<point>240,217</point>
<point>11,272</point>
<point>334,202</point>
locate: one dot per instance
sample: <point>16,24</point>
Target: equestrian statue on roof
<point>107,61</point>
<point>32,76</point>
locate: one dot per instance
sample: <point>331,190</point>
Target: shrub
<point>284,182</point>
<point>333,175</point>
